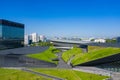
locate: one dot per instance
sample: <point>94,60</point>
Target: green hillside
<point>94,48</point>
<point>47,55</point>
<point>68,74</point>
<point>68,54</point>
<point>93,53</point>
<point>12,74</point>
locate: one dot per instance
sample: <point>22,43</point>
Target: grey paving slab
<point>23,61</point>
<point>23,50</point>
<point>61,63</point>
<point>16,58</point>
<point>95,70</point>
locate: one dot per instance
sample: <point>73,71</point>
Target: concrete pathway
<point>34,72</point>
<point>69,61</point>
<point>61,63</point>
<point>24,61</point>
<point>115,76</point>
<point>94,70</point>
<point>41,74</point>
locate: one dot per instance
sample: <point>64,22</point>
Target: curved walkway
<point>41,74</point>
<point>34,72</point>
<point>95,70</point>
<point>69,61</point>
<point>61,63</point>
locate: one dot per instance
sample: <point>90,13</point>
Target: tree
<point>92,39</point>
<point>111,40</point>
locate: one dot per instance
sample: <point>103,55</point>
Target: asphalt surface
<point>95,70</point>
<point>15,58</point>
<point>61,63</point>
<point>24,50</point>
<point>23,61</point>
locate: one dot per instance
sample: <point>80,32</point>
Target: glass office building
<point>11,34</point>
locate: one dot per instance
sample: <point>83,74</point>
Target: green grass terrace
<point>12,74</point>
<point>47,55</point>
<point>94,53</point>
<point>68,74</point>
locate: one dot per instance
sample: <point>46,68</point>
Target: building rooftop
<point>11,23</point>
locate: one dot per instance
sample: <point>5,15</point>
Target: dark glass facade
<point>11,34</point>
<point>113,66</point>
<point>111,63</point>
<point>118,39</point>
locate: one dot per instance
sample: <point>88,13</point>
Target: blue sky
<point>82,18</point>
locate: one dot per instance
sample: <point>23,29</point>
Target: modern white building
<point>42,38</point>
<point>34,37</point>
<point>85,39</point>
<point>26,39</point>
<point>100,40</point>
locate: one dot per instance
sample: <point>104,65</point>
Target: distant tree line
<point>111,41</point>
<point>40,43</point>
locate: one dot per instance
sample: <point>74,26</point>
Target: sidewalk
<point>61,63</point>
<point>95,70</point>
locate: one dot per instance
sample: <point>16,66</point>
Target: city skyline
<point>65,18</point>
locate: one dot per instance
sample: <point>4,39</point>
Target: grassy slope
<point>47,55</point>
<point>68,54</point>
<point>94,53</point>
<point>11,74</point>
<point>94,48</point>
<point>71,74</point>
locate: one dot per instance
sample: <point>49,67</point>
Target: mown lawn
<point>68,54</point>
<point>12,74</point>
<point>47,55</point>
<point>68,74</point>
<point>94,48</point>
<point>94,53</point>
